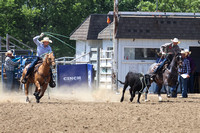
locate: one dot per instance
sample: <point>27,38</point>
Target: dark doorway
<point>196,57</point>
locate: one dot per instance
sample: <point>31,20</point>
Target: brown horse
<point>168,76</point>
<point>40,77</point>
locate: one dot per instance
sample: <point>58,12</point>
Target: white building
<point>139,37</point>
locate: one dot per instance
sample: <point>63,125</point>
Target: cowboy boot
<point>52,84</point>
<point>29,71</point>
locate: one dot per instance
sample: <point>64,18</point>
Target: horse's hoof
<point>160,98</point>
<point>27,100</point>
<point>168,96</point>
<point>131,99</point>
<point>122,99</point>
<point>38,101</point>
<point>146,100</point>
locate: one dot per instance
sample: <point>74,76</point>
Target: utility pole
<point>156,5</point>
<point>7,42</point>
<point>115,48</point>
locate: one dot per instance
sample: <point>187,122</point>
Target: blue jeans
<point>156,90</point>
<point>183,85</point>
<point>160,66</point>
<point>173,91</point>
<point>10,80</point>
<point>31,67</point>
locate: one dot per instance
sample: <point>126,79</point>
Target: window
<point>140,53</point>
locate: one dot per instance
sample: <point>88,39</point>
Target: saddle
<point>37,66</point>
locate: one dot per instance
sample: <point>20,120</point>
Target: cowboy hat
<point>182,51</point>
<point>187,51</point>
<point>9,52</point>
<point>175,40</point>
<point>46,39</point>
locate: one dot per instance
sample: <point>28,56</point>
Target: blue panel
<point>72,74</point>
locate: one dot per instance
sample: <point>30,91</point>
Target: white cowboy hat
<point>9,52</point>
<point>182,51</point>
<point>175,40</point>
<point>46,39</point>
<point>187,51</point>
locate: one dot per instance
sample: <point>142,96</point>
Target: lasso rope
<point>145,84</point>
<point>52,35</point>
<point>59,40</point>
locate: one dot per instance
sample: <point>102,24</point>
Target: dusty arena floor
<point>98,112</point>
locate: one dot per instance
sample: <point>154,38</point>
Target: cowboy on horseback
<point>42,48</point>
<point>170,49</point>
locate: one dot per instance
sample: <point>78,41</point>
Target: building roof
<point>106,33</point>
<point>158,27</point>
<point>91,27</point>
<point>82,31</point>
<point>142,27</point>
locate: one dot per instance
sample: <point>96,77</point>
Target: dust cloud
<point>83,94</point>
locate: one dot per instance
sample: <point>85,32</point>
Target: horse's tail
<point>121,82</point>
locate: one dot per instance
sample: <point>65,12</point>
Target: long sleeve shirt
<point>170,48</point>
<point>9,64</point>
<point>185,69</point>
<point>40,47</point>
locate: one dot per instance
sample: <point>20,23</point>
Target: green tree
<point>170,5</point>
<point>25,19</point>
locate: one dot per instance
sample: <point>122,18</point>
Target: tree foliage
<point>25,19</point>
<point>170,5</point>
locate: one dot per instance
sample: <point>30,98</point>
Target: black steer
<point>137,82</point>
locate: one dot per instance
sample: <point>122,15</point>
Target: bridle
<point>49,60</point>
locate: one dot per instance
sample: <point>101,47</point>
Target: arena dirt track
<point>99,112</point>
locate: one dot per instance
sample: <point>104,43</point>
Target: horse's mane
<point>43,56</point>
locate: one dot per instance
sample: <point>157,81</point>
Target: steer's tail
<point>121,82</point>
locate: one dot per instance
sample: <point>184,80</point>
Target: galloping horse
<point>40,77</point>
<point>168,76</point>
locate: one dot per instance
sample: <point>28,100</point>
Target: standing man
<point>10,67</point>
<point>184,73</point>
<point>170,49</point>
<point>193,68</point>
<point>42,48</point>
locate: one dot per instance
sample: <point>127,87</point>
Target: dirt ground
<point>98,112</point>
